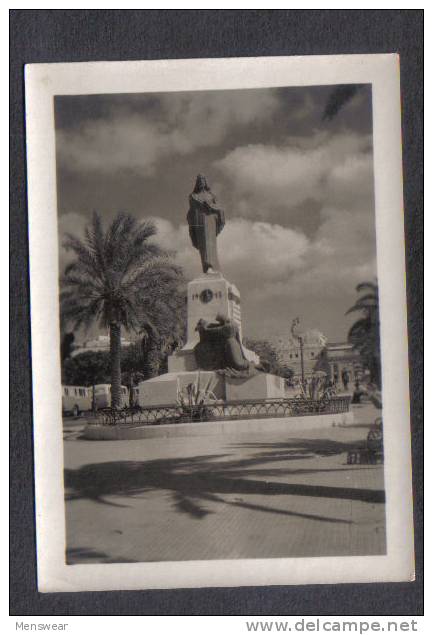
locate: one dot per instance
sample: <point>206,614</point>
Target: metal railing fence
<point>222,411</point>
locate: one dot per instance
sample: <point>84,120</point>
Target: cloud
<point>266,259</point>
<point>205,118</point>
<point>109,146</point>
<point>176,238</point>
<point>350,182</point>
<point>278,270</point>
<point>265,179</point>
<point>346,234</point>
<point>341,255</point>
<point>260,251</point>
<point>251,253</point>
<point>138,141</point>
<point>270,182</point>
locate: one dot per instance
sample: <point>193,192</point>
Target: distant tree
<point>132,368</point>
<point>269,358</point>
<point>67,345</point>
<point>93,367</point>
<point>365,332</point>
<point>285,371</point>
<point>265,351</point>
<point>162,335</point>
<point>119,278</point>
<point>132,358</point>
<point>86,369</point>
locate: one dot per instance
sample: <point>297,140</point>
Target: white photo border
<point>43,82</point>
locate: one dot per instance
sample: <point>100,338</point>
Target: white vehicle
<point>103,396</point>
<point>76,399</point>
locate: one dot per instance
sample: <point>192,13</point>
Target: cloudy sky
<point>297,189</point>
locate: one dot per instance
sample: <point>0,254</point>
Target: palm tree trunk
<point>115,351</point>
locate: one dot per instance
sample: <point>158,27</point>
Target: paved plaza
<point>222,497</point>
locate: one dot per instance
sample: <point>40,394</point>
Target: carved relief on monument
<point>220,348</point>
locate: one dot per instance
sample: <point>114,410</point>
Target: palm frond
<point>368,286</point>
<point>370,299</point>
<point>94,234</point>
<point>364,334</point>
<point>360,327</point>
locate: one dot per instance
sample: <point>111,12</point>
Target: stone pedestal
<point>260,386</point>
<point>163,390</point>
<point>208,295</point>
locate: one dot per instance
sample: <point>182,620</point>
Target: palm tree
<point>162,337</point>
<point>365,332</point>
<point>120,279</point>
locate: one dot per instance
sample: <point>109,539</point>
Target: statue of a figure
<point>205,222</point>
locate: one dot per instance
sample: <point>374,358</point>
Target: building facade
<point>341,357</point>
<point>100,343</point>
<point>315,353</point>
<point>307,356</point>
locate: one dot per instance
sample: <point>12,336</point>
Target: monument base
<point>260,386</point>
<point>182,361</point>
<point>232,429</point>
<point>208,296</point>
<point>163,390</point>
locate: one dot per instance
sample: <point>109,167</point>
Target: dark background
<point>44,35</point>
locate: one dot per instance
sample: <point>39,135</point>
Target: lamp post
<point>301,346</point>
<point>300,339</point>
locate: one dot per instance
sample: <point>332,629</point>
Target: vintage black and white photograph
<point>218,310</point>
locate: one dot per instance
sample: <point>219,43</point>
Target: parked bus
<point>103,396</point>
<point>76,399</point>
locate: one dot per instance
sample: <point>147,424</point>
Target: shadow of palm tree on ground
<point>194,481</point>
<point>82,554</point>
<point>294,448</point>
